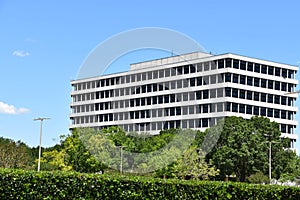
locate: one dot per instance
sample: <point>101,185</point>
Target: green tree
<point>77,155</point>
<point>192,164</point>
<point>243,148</point>
<point>14,154</point>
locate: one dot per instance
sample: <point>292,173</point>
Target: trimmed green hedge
<point>17,184</point>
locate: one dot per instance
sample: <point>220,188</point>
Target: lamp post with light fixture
<point>40,147</point>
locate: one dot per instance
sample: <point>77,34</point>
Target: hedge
<point>18,184</point>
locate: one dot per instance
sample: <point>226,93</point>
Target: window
<point>212,107</point>
<point>167,72</point>
<point>277,99</point>
<point>243,65</point>
<point>192,82</point>
<point>228,62</point>
<point>228,106</point>
<point>242,94</point>
<point>256,96</point>
<point>160,99</point>
<point>179,70</point>
<point>256,110</point>
<point>283,114</point>
<point>185,96</point>
<point>283,100</point>
<point>257,68</point>
<point>178,110</point>
<point>290,87</point>
<point>206,66</point>
<point>283,128</point>
<point>191,110</point>
<point>179,83</point>
<point>277,85</point>
<point>143,101</point>
<point>235,78</point>
<point>283,86</point>
<point>249,95</point>
<point>270,70</point>
<point>249,109</point>
<point>227,77</point>
<point>256,82</point>
<point>249,80</point>
<point>250,67</point>
<point>212,93</point>
<point>199,81</point>
<point>205,122</point>
<point>276,113</point>
<point>173,85</point>
<point>220,78</point>
<point>234,107</point>
<point>228,92</point>
<point>263,111</point>
<point>192,68</point>
<point>205,80</point>
<point>205,94</point>
<point>172,98</point>
<point>242,108</point>
<point>205,108</point>
<point>161,73</point>
<point>220,63</point>
<point>186,69</point>
<point>213,65</point>
<point>264,69</point>
<point>270,112</point>
<point>199,67</point>
<point>213,79</point>
<point>277,71</point>
<point>185,110</point>
<point>291,74</point>
<point>263,83</point>
<point>270,98</point>
<point>185,83</point>
<point>198,95</point>
<point>284,73</point>
<point>191,123</point>
<point>149,75</point>
<point>220,92</point>
<point>219,107</point>
<point>191,96</point>
<point>236,64</point>
<point>242,79</point>
<point>270,84</point>
<point>235,92</point>
<point>173,71</point>
<point>155,74</point>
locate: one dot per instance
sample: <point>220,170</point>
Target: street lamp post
<point>121,162</point>
<point>40,147</point>
<point>270,156</point>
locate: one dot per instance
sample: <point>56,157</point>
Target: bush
<point>258,177</point>
<point>17,184</point>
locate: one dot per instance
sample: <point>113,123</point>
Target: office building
<point>188,91</point>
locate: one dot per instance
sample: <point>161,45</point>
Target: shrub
<point>258,177</point>
<point>17,184</point>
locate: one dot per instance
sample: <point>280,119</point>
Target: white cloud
<point>10,109</point>
<point>20,53</point>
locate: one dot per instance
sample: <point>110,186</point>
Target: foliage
<point>193,165</point>
<point>243,148</point>
<point>19,184</point>
<point>77,155</point>
<point>258,177</point>
<point>14,154</point>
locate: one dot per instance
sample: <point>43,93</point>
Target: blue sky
<point>44,43</point>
